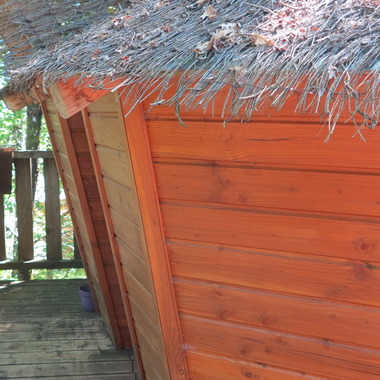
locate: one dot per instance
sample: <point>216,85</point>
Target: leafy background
<point>13,134</point>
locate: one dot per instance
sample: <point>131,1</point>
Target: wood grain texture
<point>71,98</point>
<point>271,187</point>
<point>129,233</point>
<point>52,211</point>
<point>62,139</point>
<point>114,256</point>
<point>154,235</point>
<point>24,210</point>
<point>121,207</point>
<point>273,230</point>
<point>46,334</point>
<point>123,199</point>
<point>106,127</point>
<point>205,366</point>
<point>320,357</point>
<point>350,324</point>
<point>116,165</point>
<point>97,231</point>
<point>332,279</point>
<point>283,143</point>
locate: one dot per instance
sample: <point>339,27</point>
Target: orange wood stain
<point>273,239</point>
<point>72,153</point>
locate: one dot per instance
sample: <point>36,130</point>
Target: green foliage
<point>13,134</point>
<point>12,127</point>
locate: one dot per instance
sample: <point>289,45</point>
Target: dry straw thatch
<point>325,51</point>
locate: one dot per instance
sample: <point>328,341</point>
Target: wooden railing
<point>25,259</point>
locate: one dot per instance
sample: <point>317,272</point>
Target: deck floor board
<point>45,334</point>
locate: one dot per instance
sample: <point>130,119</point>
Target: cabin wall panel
<point>313,356</point>
<point>129,233</point>
<point>206,366</point>
<point>122,198</point>
<point>136,265</point>
<point>140,294</point>
<point>279,188</point>
<point>271,232</point>
<point>282,312</point>
<point>106,130</point>
<point>116,166</point>
<point>283,143</point>
<point>311,276</point>
<point>121,204</point>
<point>87,217</point>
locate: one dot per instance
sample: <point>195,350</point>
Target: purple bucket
<point>86,298</point>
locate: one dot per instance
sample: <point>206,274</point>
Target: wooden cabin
<point>245,251</point>
<point>241,251</point>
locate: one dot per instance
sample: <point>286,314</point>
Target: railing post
<point>24,212</point>
<point>52,211</point>
<point>77,255</point>
<point>3,254</point>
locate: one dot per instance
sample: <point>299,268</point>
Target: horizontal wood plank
<point>129,233</point>
<point>299,315</point>
<point>211,367</point>
<point>78,368</point>
<point>333,279</point>
<point>320,357</point>
<point>273,230</point>
<point>106,128</point>
<point>140,295</point>
<point>283,143</point>
<point>147,326</point>
<point>116,165</point>
<point>80,141</point>
<point>106,103</point>
<point>331,192</point>
<point>123,199</point>
<point>40,264</point>
<point>136,265</point>
<point>154,362</point>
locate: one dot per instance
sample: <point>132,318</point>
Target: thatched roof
<point>325,51</point>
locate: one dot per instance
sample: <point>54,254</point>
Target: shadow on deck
<point>45,334</point>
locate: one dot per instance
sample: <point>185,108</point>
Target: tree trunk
<point>32,142</point>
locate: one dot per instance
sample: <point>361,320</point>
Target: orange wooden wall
<point>74,162</point>
<point>116,180</point>
<point>272,237</point>
<point>274,243</point>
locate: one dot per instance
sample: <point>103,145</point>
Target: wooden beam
<point>18,100</point>
<point>155,238</point>
<point>40,264</point>
<point>33,154</point>
<point>24,201</point>
<point>3,253</point>
<point>52,211</point>
<point>70,97</point>
<point>6,159</point>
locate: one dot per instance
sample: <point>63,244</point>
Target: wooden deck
<point>45,334</point>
